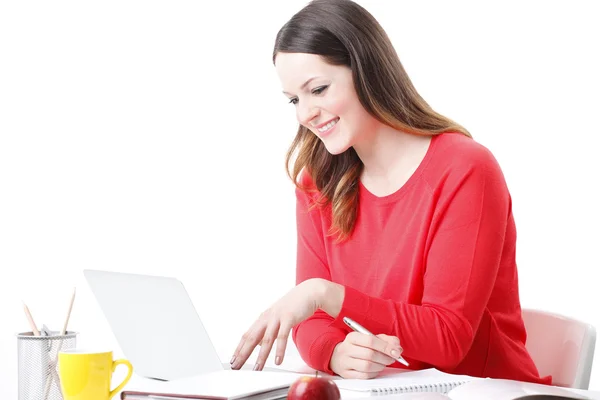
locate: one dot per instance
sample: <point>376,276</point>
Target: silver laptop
<point>155,323</point>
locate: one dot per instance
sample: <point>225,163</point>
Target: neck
<point>388,153</point>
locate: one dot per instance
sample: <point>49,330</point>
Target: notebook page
<point>428,380</point>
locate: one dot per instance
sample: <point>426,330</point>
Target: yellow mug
<point>87,375</point>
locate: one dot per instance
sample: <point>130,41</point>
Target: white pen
<point>361,329</point>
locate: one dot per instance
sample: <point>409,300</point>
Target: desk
<point>351,395</point>
<point>293,364</point>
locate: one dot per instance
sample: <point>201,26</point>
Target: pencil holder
<point>38,364</point>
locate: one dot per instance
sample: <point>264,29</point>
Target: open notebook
<point>434,385</point>
<point>393,381</point>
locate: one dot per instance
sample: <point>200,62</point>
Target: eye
<point>294,100</point>
<point>320,89</point>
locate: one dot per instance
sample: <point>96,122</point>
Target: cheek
<point>352,113</point>
<point>345,104</point>
<point>337,106</point>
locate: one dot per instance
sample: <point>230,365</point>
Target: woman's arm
<point>317,336</point>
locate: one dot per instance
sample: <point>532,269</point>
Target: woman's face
<point>325,100</point>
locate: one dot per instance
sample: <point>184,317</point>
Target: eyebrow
<point>304,84</point>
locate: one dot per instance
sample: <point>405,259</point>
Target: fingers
<point>368,354</point>
<point>394,343</point>
<point>393,340</point>
<point>234,362</point>
<point>282,338</point>
<point>247,344</point>
<point>279,331</point>
<point>353,358</point>
<point>239,348</point>
<point>365,366</point>
<point>388,347</point>
<point>265,345</point>
<point>264,332</point>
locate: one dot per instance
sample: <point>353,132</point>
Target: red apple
<point>313,388</point>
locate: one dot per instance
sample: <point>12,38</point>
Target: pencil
<point>34,329</point>
<point>54,374</point>
<point>64,331</point>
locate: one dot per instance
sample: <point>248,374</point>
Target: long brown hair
<point>346,34</point>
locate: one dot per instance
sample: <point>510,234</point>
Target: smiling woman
<point>351,74</point>
<point>404,221</point>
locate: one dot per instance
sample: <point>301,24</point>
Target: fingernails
<point>395,353</point>
<point>256,366</point>
<point>232,360</point>
<point>277,360</point>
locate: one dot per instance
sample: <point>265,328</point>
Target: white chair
<point>560,346</point>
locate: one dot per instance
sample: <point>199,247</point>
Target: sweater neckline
<point>367,196</point>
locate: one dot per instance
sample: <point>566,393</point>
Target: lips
<point>327,127</point>
<point>320,126</point>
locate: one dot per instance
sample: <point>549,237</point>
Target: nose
<point>306,114</point>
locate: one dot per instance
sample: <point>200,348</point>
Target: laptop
<point>161,334</point>
<point>155,324</point>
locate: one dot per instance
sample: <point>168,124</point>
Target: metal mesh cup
<point>38,364</point>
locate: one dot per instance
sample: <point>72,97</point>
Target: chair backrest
<point>560,346</point>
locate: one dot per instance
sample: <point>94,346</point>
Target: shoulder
<point>308,199</point>
<point>305,180</point>
<point>457,149</point>
<point>457,157</point>
<point>306,189</point>
<point>457,152</point>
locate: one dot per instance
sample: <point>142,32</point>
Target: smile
<point>328,126</point>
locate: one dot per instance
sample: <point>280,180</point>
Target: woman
<point>404,222</point>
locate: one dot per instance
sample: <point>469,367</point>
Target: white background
<point>149,137</point>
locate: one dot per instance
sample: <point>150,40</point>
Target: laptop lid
<point>155,323</point>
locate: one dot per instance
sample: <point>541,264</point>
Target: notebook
<point>222,385</point>
<point>406,381</point>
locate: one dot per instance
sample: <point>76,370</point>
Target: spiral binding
<point>443,387</point>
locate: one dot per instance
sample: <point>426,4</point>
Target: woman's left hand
<point>276,323</point>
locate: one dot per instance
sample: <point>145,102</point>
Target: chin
<point>336,148</point>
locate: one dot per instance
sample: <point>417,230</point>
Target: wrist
<point>330,297</point>
<point>333,361</point>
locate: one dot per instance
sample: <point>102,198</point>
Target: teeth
<point>328,126</point>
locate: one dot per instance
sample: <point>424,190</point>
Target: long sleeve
<point>463,254</point>
<point>316,337</point>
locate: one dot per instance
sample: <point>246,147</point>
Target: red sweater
<point>433,264</point>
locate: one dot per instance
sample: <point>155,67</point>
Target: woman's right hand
<point>362,356</point>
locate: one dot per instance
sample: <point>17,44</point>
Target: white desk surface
<point>295,365</point>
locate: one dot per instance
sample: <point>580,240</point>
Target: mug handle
<point>122,384</point>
